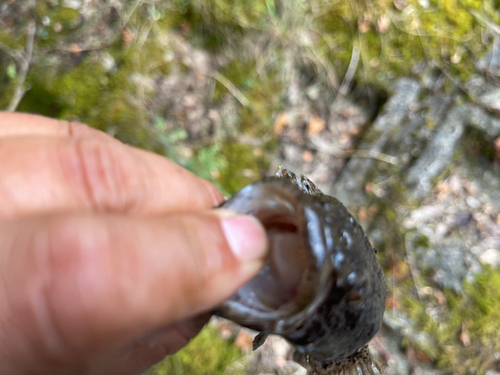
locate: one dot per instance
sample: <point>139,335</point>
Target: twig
<point>130,14</point>
<point>440,33</point>
<point>413,271</point>
<point>481,18</point>
<point>353,65</point>
<point>12,52</point>
<point>330,72</point>
<point>231,87</point>
<point>370,154</point>
<point>375,155</point>
<point>379,346</point>
<point>25,62</point>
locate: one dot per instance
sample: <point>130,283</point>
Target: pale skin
<point>111,257</point>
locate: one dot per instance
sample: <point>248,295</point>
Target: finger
<point>25,124</point>
<point>79,285</point>
<point>53,174</point>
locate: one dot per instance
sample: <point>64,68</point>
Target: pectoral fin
<point>259,340</point>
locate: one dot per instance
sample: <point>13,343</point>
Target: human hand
<point>108,254</point>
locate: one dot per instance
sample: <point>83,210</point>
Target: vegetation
<point>468,338</point>
<point>239,59</point>
<point>207,354</point>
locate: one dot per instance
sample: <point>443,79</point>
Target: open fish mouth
<point>321,287</point>
<point>290,283</point>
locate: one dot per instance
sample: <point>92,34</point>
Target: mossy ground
<point>256,46</point>
<point>468,338</point>
<point>207,354</point>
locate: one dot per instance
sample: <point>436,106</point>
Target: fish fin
<point>304,183</point>
<point>259,340</point>
<point>360,363</point>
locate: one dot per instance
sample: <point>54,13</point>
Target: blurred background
<point>392,106</point>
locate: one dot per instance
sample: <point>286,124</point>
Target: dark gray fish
<point>321,288</point>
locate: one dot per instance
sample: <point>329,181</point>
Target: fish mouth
<point>279,281</point>
<point>289,284</point>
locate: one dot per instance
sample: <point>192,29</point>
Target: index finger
<point>34,148</point>
<point>26,124</point>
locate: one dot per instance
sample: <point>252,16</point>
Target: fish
<point>321,287</point>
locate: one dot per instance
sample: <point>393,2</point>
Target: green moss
<point>476,310</point>
<point>244,166</point>
<point>16,41</point>
<point>207,354</point>
<point>477,146</point>
<point>446,33</point>
<point>85,92</point>
<point>207,23</point>
<point>484,296</point>
<point>264,100</point>
<point>67,17</point>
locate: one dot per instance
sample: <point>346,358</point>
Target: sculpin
<point>321,288</point>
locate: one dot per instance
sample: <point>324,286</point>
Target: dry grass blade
<point>25,62</point>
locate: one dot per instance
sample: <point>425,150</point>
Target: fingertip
<point>245,235</point>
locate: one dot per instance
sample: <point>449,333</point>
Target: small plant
<point>207,354</point>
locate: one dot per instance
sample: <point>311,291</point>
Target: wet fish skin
<point>343,299</point>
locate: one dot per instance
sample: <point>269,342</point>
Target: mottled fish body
<point>321,288</point>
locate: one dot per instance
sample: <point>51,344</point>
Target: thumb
<point>78,285</point>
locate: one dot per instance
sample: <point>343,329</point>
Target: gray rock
<point>491,62</point>
<point>73,4</point>
<point>439,152</point>
<point>349,188</point>
<point>491,257</point>
<point>405,94</point>
<point>481,119</point>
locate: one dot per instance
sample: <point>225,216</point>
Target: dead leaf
<point>280,123</point>
<point>307,156</point>
<point>346,113</point>
<point>244,340</point>
<point>441,298</point>
<point>400,4</point>
<point>416,355</point>
<point>383,23</point>
<point>75,49</point>
<point>373,209</point>
<point>390,303</point>
<point>257,152</point>
<point>226,330</point>
<point>127,37</point>
<point>497,150</point>
<point>315,126</point>
<point>363,25</point>
<point>464,336</point>
<point>401,270</point>
<point>362,214</point>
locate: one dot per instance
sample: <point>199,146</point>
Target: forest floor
<point>391,106</point>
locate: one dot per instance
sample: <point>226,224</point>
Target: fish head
<point>321,287</point>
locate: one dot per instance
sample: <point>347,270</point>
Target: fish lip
<point>281,321</point>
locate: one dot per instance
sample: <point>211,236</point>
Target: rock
<point>490,257</point>
<point>108,63</point>
<point>438,153</point>
<point>490,63</point>
<point>405,93</point>
<point>349,188</point>
<point>482,120</point>
<point>73,4</point>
